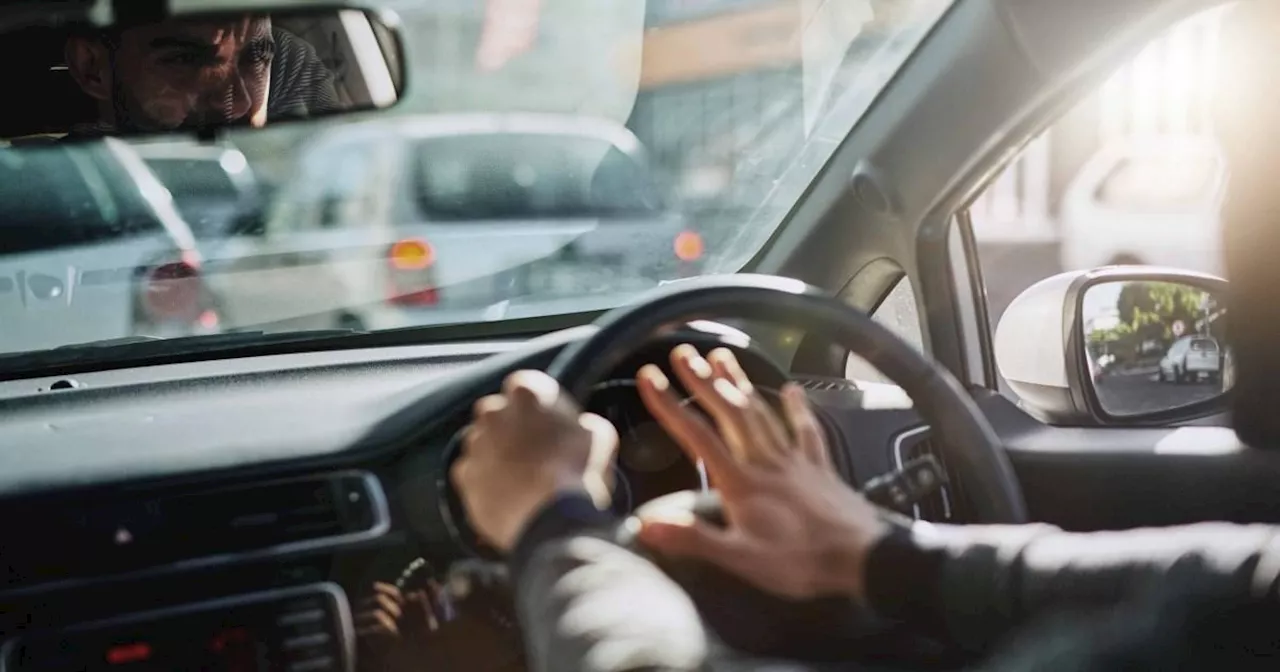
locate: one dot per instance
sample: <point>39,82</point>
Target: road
<point>1131,394</point>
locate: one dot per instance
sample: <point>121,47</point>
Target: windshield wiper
<point>143,349</point>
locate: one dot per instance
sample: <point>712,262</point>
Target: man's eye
<point>183,59</point>
<point>192,60</point>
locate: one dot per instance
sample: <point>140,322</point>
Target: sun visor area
<point>1247,121</point>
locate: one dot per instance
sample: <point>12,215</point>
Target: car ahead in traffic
<point>1147,202</point>
<point>381,225</point>
<point>92,249</point>
<point>213,187</point>
<point>1191,358</point>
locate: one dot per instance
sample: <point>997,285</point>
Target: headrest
<point>1247,122</point>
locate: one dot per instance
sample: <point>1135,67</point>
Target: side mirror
<point>1121,345</point>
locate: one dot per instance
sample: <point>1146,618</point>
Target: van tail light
<point>411,274</point>
<point>411,254</point>
<point>174,292</point>
<point>688,246</point>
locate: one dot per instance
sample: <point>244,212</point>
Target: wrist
<point>526,512</point>
<point>843,567</point>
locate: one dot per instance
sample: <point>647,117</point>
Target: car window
<point>527,175</point>
<point>1123,177</point>
<point>57,197</point>
<point>1204,345</point>
<point>899,313</point>
<point>1158,183</point>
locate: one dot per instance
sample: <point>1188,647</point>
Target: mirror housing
<point>1042,351</point>
<point>203,72</point>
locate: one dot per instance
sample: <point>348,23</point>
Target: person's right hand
<point>793,526</point>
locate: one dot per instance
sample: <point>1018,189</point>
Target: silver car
<point>92,249</point>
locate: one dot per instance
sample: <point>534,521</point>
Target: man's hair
<point>108,35</point>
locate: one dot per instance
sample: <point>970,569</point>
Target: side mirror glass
<point>1119,345</point>
<point>1154,346</point>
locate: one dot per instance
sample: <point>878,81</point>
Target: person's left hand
<point>525,447</point>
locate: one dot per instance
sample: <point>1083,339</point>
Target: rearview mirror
<point>199,72</point>
<point>1121,345</point>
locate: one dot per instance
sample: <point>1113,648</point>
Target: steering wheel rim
<point>963,433</point>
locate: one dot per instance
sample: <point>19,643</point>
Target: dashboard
<point>255,513</point>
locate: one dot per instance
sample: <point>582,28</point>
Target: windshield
<point>547,157</point>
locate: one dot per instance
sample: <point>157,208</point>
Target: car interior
<point>247,498</point>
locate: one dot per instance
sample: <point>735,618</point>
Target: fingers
<point>691,431</point>
<point>382,611</point>
<point>374,623</point>
<point>804,425</point>
<point>531,387</point>
<point>719,396</point>
<point>769,439</point>
<point>598,476</point>
<point>746,421</point>
<point>488,405</point>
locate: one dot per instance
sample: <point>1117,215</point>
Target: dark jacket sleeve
<point>973,585</point>
<point>586,603</point>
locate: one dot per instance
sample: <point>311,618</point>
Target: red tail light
<point>173,292</point>
<point>412,279</point>
<point>421,297</point>
<point>688,246</point>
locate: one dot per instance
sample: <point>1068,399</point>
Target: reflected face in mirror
<point>199,72</point>
<point>177,73</point>
<point>1155,346</point>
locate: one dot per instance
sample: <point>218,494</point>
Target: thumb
<point>687,539</point>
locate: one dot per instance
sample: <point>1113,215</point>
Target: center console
<point>303,629</point>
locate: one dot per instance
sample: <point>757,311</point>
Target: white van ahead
<point>1191,358</point>
<point>455,218</point>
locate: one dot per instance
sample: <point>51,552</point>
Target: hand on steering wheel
<point>524,447</point>
<point>793,527</point>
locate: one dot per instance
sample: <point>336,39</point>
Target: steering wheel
<point>963,433</point>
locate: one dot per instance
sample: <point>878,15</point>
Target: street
<point>1142,393</point>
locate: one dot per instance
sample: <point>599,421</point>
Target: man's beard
<point>132,116</point>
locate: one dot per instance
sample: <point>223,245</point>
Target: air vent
<point>915,444</point>
<point>825,384</point>
<point>121,534</point>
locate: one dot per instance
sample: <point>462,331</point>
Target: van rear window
<point>1204,345</point>
<point>529,176</point>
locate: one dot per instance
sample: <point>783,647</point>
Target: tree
<point>1150,309</point>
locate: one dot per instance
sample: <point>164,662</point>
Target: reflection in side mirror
<point>1153,346</point>
<point>201,72</point>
